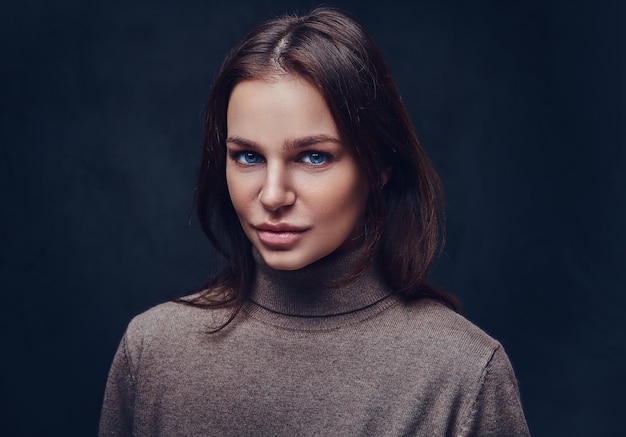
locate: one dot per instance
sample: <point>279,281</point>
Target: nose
<point>276,191</point>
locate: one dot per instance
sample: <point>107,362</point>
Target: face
<point>297,190</point>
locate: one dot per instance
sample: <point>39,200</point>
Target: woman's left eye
<point>315,158</point>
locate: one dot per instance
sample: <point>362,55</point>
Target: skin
<point>297,190</point>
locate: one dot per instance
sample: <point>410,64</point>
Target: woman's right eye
<point>247,158</point>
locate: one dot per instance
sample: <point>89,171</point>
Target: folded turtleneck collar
<point>283,296</point>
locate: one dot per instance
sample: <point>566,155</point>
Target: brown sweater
<point>301,359</point>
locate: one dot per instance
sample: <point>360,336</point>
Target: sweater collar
<point>305,292</point>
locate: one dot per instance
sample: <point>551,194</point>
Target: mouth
<point>279,235</point>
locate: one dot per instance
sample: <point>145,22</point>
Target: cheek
<point>238,191</point>
<point>344,200</point>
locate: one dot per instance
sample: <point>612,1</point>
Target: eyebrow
<point>298,143</point>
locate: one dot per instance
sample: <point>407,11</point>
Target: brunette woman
<point>317,193</point>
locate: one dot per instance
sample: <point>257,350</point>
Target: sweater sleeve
<point>497,409</point>
<point>116,418</point>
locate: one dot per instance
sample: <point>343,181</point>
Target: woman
<point>316,191</point>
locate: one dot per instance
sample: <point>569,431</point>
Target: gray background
<point>521,106</point>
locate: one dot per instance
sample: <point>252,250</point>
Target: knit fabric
<point>302,359</point>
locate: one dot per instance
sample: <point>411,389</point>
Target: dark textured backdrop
<point>520,104</point>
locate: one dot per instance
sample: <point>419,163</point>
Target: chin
<point>283,261</point>
<point>287,260</point>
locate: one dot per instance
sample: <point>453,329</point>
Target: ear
<point>385,175</point>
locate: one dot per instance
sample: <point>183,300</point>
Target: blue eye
<point>248,158</point>
<point>315,158</point>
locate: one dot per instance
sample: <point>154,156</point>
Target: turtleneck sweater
<point>305,358</point>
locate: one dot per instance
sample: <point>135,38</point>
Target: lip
<point>280,227</point>
<point>280,235</point>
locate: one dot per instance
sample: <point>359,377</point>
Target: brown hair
<point>334,54</point>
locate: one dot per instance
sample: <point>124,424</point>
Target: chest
<point>266,382</point>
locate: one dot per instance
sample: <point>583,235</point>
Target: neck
<point>308,292</point>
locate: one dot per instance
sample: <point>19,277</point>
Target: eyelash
<point>325,156</point>
<point>241,156</point>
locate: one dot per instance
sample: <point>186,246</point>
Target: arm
<point>497,409</point>
<point>116,418</point>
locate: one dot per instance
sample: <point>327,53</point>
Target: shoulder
<point>162,318</point>
<point>463,360</point>
<point>435,320</point>
<point>445,336</point>
<point>170,323</point>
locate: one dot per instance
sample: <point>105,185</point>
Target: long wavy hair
<point>404,219</point>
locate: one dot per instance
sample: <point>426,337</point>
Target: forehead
<point>287,106</point>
